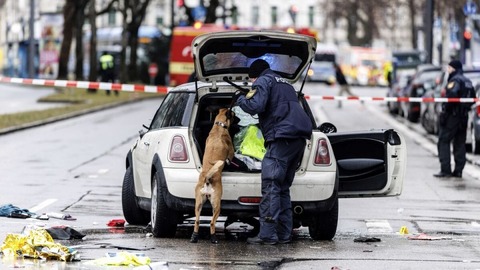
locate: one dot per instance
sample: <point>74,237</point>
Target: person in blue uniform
<point>285,127</point>
<point>453,123</point>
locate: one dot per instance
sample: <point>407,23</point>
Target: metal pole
<point>31,41</point>
<point>429,30</point>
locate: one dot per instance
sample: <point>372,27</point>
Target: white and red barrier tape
<point>165,89</point>
<point>88,85</point>
<point>395,99</point>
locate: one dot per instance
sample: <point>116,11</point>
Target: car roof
<point>230,53</point>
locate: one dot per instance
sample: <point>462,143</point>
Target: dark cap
<point>455,64</point>
<point>257,67</point>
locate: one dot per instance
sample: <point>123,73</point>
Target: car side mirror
<point>327,127</point>
<point>142,132</point>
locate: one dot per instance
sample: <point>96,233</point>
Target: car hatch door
<point>370,163</point>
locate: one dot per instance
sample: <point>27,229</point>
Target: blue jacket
<point>457,87</point>
<point>279,111</point>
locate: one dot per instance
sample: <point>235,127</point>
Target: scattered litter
<point>475,224</point>
<point>37,244</point>
<point>116,223</point>
<point>9,210</point>
<point>43,217</point>
<point>338,268</point>
<point>149,235</point>
<point>366,239</point>
<point>424,236</point>
<point>155,266</point>
<point>61,216</point>
<point>122,259</point>
<point>403,230</point>
<point>64,233</point>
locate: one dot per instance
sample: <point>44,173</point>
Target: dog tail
<point>216,166</point>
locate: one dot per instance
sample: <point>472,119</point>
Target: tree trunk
<point>123,53</point>
<point>68,28</point>
<point>80,19</point>
<point>92,16</point>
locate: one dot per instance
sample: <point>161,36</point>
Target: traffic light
<point>467,37</point>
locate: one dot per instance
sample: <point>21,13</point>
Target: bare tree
<point>68,26</point>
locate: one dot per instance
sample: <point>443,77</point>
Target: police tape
<point>165,89</point>
<point>396,99</point>
<point>88,85</point>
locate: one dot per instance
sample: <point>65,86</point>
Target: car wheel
<point>133,214</point>
<point>324,225</point>
<point>475,142</point>
<point>164,220</point>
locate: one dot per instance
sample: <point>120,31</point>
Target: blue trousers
<point>278,171</point>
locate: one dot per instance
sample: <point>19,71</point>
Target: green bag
<point>250,142</point>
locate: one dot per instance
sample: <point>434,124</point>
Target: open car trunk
<point>207,110</point>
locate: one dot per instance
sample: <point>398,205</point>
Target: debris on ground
<point>36,244</point>
<point>116,223</point>
<point>12,211</point>
<point>424,236</point>
<point>122,259</point>
<point>61,216</point>
<point>367,239</point>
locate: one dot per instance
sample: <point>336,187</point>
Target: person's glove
<point>237,95</point>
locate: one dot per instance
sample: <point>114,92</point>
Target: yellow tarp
<point>36,244</point>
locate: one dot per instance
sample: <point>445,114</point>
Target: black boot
<point>213,239</point>
<point>194,238</point>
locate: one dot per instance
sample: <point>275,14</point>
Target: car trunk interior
<point>208,107</point>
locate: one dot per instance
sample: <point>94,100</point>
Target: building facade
<point>267,14</point>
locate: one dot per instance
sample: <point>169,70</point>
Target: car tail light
<point>249,200</point>
<point>178,151</point>
<point>477,108</point>
<point>322,155</point>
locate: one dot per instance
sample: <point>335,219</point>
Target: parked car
<point>163,165</point>
<point>425,74</point>
<point>396,91</point>
<point>430,111</point>
<point>322,68</point>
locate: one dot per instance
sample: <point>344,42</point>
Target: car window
<point>171,112</point>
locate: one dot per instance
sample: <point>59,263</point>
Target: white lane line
<point>42,205</point>
<point>378,226</point>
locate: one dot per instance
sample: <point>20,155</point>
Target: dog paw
<point>194,238</point>
<point>213,239</point>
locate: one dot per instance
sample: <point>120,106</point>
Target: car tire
<point>475,142</point>
<point>164,219</point>
<point>131,211</point>
<point>324,225</point>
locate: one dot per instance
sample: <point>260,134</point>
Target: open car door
<point>370,163</point>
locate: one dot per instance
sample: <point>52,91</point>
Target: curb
<point>69,115</point>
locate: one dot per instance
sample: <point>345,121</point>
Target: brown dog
<point>218,149</point>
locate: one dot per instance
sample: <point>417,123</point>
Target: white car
<point>163,165</point>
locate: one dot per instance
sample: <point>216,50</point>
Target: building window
<point>112,17</point>
<point>255,15</point>
<point>310,15</point>
<point>274,15</point>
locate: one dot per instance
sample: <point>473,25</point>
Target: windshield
<point>228,62</point>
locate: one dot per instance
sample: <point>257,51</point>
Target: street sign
<point>469,8</point>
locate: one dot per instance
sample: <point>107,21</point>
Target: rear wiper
<point>235,85</point>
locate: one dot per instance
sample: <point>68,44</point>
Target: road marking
<point>378,226</point>
<point>42,205</point>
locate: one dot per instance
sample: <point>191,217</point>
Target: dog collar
<point>221,124</point>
